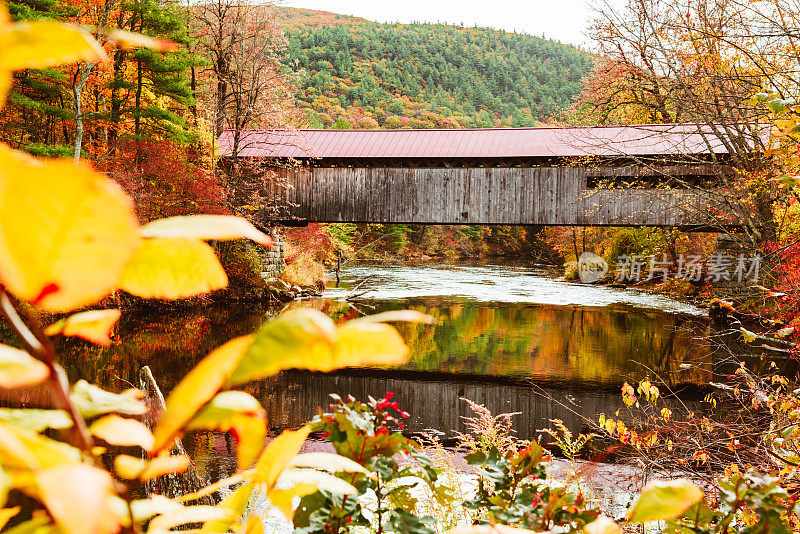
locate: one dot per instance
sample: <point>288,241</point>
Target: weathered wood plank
<point>538,195</point>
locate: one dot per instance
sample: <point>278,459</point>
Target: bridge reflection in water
<point>505,355</point>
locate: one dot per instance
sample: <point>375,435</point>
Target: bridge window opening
<point>687,181</point>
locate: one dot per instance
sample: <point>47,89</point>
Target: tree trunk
<point>137,120</point>
<point>116,101</point>
<point>222,94</point>
<point>80,79</point>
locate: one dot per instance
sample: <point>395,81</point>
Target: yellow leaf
<point>92,401</point>
<point>144,509</point>
<point>235,503</point>
<point>205,227</point>
<point>46,43</point>
<point>489,529</point>
<point>18,368</point>
<point>368,344</point>
<point>129,40</point>
<point>36,420</point>
<point>308,339</point>
<point>66,231</point>
<point>187,514</point>
<point>216,486</point>
<point>6,514</point>
<point>129,467</point>
<point>301,339</point>
<point>663,500</point>
<point>318,479</point>
<point>283,499</point>
<point>404,316</point>
<point>93,325</point>
<point>240,412</point>
<point>5,85</point>
<point>747,335</point>
<point>602,525</point>
<point>116,430</point>
<point>78,498</point>
<point>173,269</point>
<point>197,388</point>
<point>26,449</point>
<point>254,525</point>
<point>277,455</point>
<point>326,461</point>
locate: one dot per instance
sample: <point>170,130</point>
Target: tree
<point>244,46</point>
<point>700,62</point>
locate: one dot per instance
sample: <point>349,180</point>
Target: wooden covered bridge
<point>598,176</point>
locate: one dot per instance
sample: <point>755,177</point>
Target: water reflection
<point>507,337</point>
<point>554,343</point>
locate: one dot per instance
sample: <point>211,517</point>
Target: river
<point>512,337</point>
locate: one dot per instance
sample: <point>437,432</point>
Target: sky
<point>563,20</point>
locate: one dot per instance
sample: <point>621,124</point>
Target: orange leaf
<point>94,326</point>
<point>129,40</point>
<point>79,498</point>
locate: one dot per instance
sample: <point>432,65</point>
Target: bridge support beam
<point>736,245</point>
<point>273,259</point>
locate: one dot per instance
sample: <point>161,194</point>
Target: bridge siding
<point>517,195</point>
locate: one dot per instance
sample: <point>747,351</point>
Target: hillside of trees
<point>354,74</point>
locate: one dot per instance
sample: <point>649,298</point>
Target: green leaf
<point>304,482</point>
<point>197,388</point>
<point>403,522</point>
<point>173,269</point>
<point>19,369</point>
<point>36,420</point>
<point>778,106</point>
<point>662,500</point>
<point>217,413</point>
<point>92,401</point>
<point>206,227</point>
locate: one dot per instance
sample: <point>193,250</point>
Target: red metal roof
<point>640,140</point>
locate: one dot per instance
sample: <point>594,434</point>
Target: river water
<point>511,337</point>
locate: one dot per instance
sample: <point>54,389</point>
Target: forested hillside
<point>372,75</point>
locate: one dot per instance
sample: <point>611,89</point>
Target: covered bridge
<point>601,176</point>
